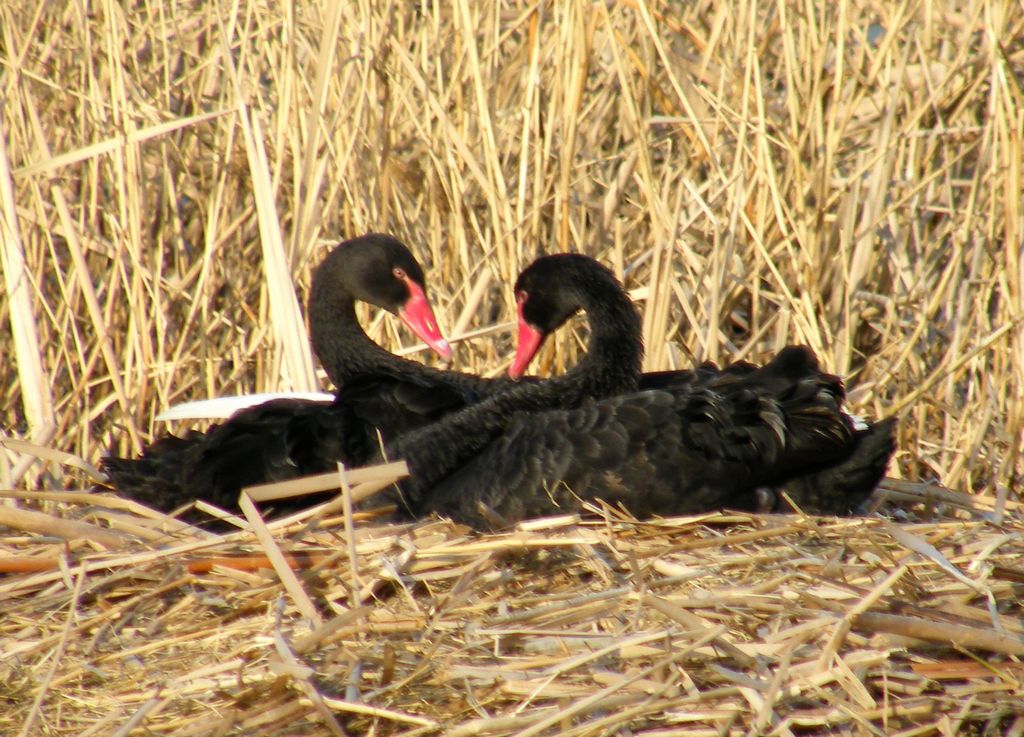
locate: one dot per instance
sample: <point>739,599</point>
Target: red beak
<point>418,315</point>
<point>527,344</point>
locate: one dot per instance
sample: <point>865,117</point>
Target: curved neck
<point>615,350</point>
<point>339,341</point>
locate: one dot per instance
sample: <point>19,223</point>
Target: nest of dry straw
<point>712,625</point>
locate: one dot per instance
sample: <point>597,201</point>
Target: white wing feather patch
<point>220,408</point>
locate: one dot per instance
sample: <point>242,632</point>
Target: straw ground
<point>845,175</point>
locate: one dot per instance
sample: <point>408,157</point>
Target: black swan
<point>717,438</point>
<point>287,438</point>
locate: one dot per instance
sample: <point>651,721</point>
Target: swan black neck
<point>612,364</point>
<point>341,344</point>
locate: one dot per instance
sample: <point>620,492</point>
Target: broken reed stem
<point>955,634</point>
<point>288,578</point>
<point>384,473</point>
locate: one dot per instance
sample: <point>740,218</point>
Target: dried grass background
<point>846,175</point>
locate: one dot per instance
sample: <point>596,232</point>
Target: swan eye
<point>399,273</point>
<point>521,296</point>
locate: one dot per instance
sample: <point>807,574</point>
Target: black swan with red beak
<point>738,438</point>
<point>286,438</point>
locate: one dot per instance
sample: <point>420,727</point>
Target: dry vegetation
<point>847,175</point>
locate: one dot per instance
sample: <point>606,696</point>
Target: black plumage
<point>737,437</point>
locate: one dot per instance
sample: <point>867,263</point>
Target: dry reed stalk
<point>35,392</point>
